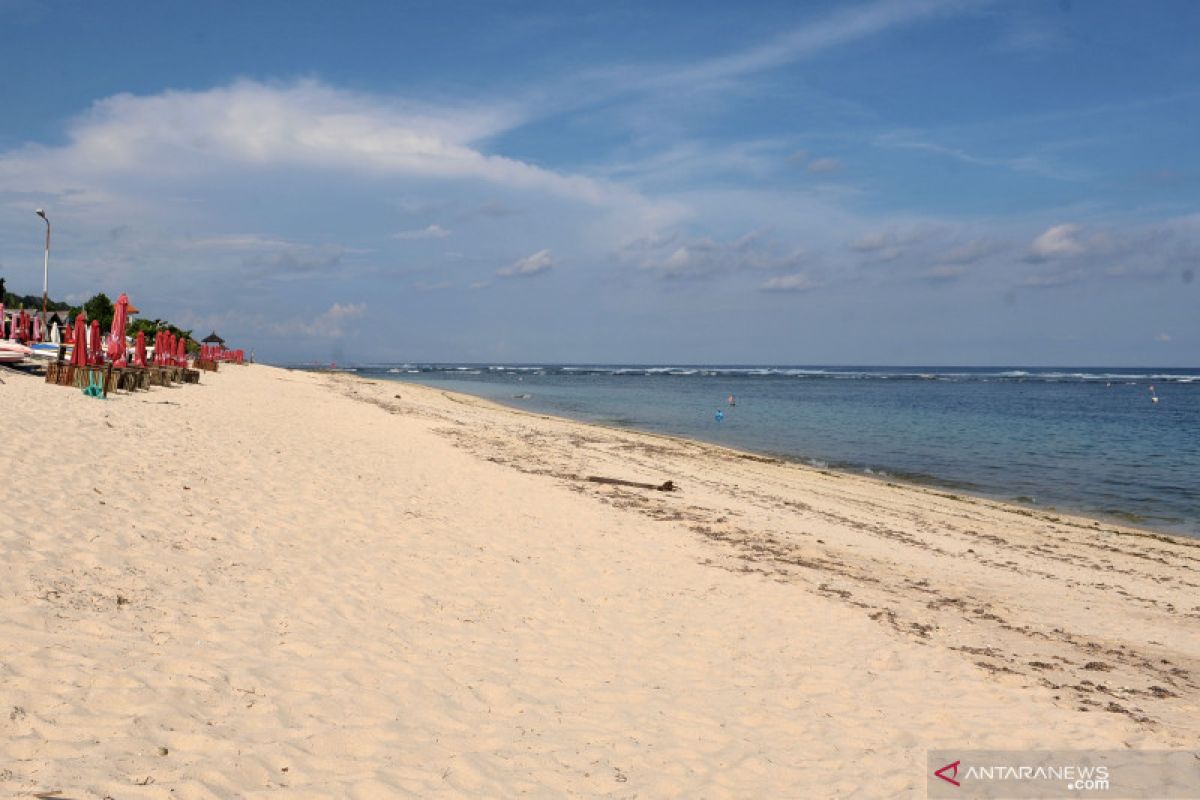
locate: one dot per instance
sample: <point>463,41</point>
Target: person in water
<point>732,402</point>
<point>719,416</point>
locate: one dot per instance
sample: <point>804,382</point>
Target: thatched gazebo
<point>212,338</point>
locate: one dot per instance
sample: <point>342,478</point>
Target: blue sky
<point>908,182</point>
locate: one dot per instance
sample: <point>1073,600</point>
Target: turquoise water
<point>1089,440</point>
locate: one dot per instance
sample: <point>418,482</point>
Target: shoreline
<point>1050,524</point>
<point>933,483</point>
<point>342,587</point>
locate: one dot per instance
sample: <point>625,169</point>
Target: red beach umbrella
<point>79,352</point>
<point>181,351</point>
<point>139,350</point>
<point>94,344</point>
<point>116,337</point>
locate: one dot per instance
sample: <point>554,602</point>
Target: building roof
<point>212,337</point>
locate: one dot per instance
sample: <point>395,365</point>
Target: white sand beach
<point>289,584</point>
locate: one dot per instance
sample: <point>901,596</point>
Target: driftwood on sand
<point>669,486</point>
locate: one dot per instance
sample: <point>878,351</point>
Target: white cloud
<point>672,256</point>
<point>886,246</point>
<point>1033,164</point>
<point>237,242</point>
<point>428,232</point>
<point>329,324</point>
<point>845,25</point>
<point>1057,242</point>
<point>180,134</point>
<point>1163,337</point>
<point>347,311</point>
<point>797,282</point>
<point>526,267</point>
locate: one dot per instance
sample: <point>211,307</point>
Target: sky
<point>916,182</point>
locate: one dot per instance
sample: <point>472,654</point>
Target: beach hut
<point>212,338</point>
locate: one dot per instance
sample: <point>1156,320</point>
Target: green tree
<point>153,326</point>
<point>100,308</point>
<point>29,301</point>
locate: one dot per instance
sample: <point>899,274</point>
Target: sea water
<point>1088,440</point>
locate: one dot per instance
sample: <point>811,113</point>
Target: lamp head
<point>41,212</point>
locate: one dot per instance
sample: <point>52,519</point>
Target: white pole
<point>45,267</point>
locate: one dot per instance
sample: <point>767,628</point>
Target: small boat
<point>48,350</point>
<point>13,353</point>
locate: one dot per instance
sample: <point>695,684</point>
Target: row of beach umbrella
<point>89,350</point>
<point>27,328</point>
<point>218,353</point>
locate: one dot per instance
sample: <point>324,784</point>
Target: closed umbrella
<point>139,350</point>
<point>37,329</point>
<point>55,333</point>
<point>94,349</point>
<point>181,351</point>
<point>116,337</point>
<point>79,351</point>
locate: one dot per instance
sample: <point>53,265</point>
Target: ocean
<point>1086,440</point>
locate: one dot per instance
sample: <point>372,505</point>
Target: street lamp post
<point>45,268</point>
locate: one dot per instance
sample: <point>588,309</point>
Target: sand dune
<point>301,585</point>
